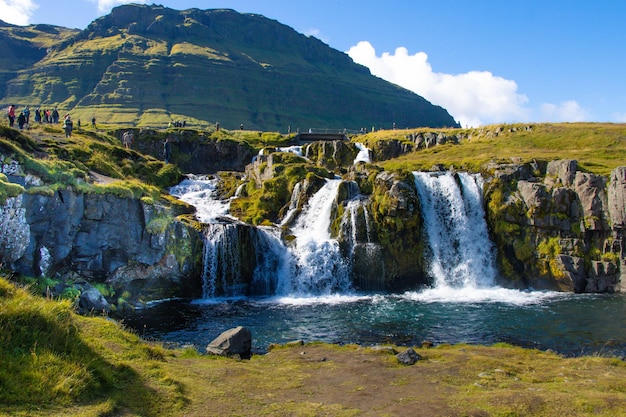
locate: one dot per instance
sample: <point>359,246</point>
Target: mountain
<point>147,65</point>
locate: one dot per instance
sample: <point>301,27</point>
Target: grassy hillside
<point>55,363</point>
<point>149,65</point>
<point>598,147</point>
<point>46,153</point>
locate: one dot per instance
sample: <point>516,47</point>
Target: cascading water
<point>221,259</point>
<point>461,252</point>
<point>320,268</point>
<point>363,155</point>
<point>201,192</point>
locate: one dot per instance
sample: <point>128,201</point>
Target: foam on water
<point>201,192</point>
<point>330,299</point>
<point>481,296</point>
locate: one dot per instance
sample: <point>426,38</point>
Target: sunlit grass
<point>598,148</point>
<point>55,363</point>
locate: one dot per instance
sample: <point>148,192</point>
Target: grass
<point>598,147</point>
<point>56,363</point>
<point>59,162</point>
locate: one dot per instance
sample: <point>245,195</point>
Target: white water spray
<point>461,252</point>
<point>363,155</point>
<point>221,258</point>
<point>320,268</point>
<point>201,192</point>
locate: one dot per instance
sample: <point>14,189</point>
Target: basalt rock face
<point>193,151</point>
<point>102,239</point>
<point>398,230</point>
<point>558,228</point>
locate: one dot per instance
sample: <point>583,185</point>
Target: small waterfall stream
<point>363,155</point>
<point>320,267</point>
<point>461,252</point>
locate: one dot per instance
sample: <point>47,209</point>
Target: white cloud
<point>566,111</point>
<point>17,12</point>
<point>105,6</point>
<point>472,98</point>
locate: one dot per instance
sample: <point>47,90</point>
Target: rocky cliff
<point>553,225</point>
<point>558,228</point>
<point>122,243</point>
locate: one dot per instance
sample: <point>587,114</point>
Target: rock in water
<point>237,341</point>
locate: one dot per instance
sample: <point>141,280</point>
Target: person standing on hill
<point>167,150</point>
<point>21,120</point>
<point>26,112</point>
<point>55,116</point>
<point>68,125</point>
<point>11,115</point>
<point>127,139</point>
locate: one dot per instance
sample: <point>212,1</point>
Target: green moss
<point>8,190</point>
<point>524,249</point>
<point>158,225</point>
<point>548,249</point>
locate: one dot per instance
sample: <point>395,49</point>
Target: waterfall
<point>221,259</point>
<point>461,252</point>
<point>201,192</point>
<point>356,221</point>
<point>367,266</point>
<point>240,259</point>
<point>295,149</point>
<point>275,264</point>
<point>319,265</point>
<point>363,155</point>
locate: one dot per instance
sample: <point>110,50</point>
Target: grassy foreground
<point>56,363</point>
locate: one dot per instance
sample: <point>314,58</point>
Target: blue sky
<point>490,61</point>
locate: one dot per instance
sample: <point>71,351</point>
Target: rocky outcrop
<point>398,226</point>
<point>331,154</point>
<point>237,341</point>
<point>563,230</point>
<point>193,151</point>
<point>14,230</point>
<point>123,243</point>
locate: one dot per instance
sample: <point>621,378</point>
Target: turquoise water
<point>569,324</point>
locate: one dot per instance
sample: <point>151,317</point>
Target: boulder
<point>92,301</point>
<point>408,357</point>
<point>237,341</point>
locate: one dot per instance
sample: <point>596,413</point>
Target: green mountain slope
<point>148,65</point>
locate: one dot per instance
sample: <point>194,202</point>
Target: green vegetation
<point>200,76</point>
<point>56,363</point>
<point>598,147</point>
<point>89,162</point>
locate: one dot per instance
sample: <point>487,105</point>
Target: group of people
<point>24,116</point>
<point>178,123</point>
